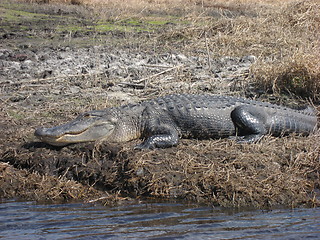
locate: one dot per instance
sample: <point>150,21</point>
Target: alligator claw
<point>252,138</point>
<point>143,146</point>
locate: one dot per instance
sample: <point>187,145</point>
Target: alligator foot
<point>252,138</point>
<point>158,141</point>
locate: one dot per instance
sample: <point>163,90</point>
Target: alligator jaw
<point>62,135</point>
<point>52,137</point>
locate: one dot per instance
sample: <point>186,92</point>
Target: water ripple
<point>27,220</point>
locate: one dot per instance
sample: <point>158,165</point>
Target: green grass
<point>17,115</point>
<point>70,28</point>
<point>158,22</point>
<point>109,26</point>
<point>13,16</point>
<point>16,17</point>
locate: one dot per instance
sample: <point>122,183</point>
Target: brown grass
<point>23,184</point>
<point>274,172</point>
<point>298,74</point>
<point>283,35</point>
<point>166,3</point>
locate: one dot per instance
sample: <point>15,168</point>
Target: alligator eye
<point>87,115</point>
<point>113,120</point>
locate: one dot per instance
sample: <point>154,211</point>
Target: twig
<point>208,50</point>
<point>64,174</point>
<point>144,80</point>
<point>133,85</point>
<point>156,66</point>
<point>98,199</point>
<point>45,79</point>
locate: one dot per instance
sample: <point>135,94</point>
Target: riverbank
<point>60,60</point>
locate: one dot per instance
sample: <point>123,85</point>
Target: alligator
<point>161,122</point>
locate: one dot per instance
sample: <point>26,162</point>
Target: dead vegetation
<point>33,186</point>
<point>283,35</point>
<point>284,38</point>
<point>274,172</point>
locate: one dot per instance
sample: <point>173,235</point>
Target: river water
<point>157,220</point>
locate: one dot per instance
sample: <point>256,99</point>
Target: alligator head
<point>87,127</point>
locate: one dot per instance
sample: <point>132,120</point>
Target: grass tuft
<point>298,74</point>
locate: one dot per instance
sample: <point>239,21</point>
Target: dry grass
<point>275,172</point>
<point>23,184</point>
<point>294,64</point>
<point>283,35</point>
<point>298,74</point>
<point>166,3</point>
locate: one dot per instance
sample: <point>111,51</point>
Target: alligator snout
<point>48,133</point>
<point>49,136</point>
<point>40,132</point>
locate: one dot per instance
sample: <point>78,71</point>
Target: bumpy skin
<point>162,121</point>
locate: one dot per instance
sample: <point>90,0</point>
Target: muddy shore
<point>49,75</point>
